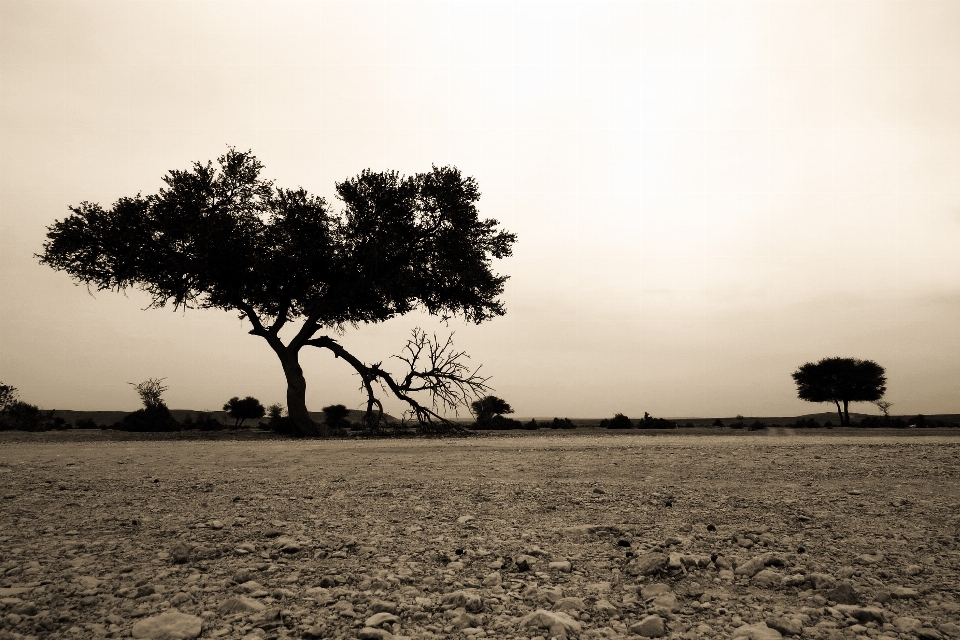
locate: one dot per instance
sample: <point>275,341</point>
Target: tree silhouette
<point>841,380</point>
<point>489,407</point>
<point>240,410</point>
<point>222,237</point>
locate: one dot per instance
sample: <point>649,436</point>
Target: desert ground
<point>761,535</point>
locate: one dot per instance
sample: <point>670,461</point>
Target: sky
<point>706,194</point>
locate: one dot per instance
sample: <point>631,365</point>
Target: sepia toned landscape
<point>844,534</point>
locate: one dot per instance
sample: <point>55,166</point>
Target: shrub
<point>85,423</point>
<point>532,425</point>
<point>153,418</point>
<point>757,426</point>
<point>649,422</point>
<point>499,423</point>
<point>562,423</point>
<point>717,423</point>
<point>23,416</point>
<point>335,416</point>
<point>618,421</point>
<point>240,410</point>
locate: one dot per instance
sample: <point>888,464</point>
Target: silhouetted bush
<point>23,416</point>
<point>717,423</point>
<point>248,408</point>
<point>618,421</point>
<point>809,423</point>
<point>532,425</point>
<point>756,426</point>
<point>500,423</point>
<point>153,418</point>
<point>562,423</point>
<point>649,422</point>
<point>85,423</point>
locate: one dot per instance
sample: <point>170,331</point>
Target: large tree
<point>220,236</point>
<point>841,381</point>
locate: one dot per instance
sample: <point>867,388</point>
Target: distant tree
<point>489,407</point>
<point>23,416</point>
<point>275,411</point>
<point>8,395</point>
<point>223,237</point>
<point>248,408</point>
<point>717,423</point>
<point>884,407</point>
<point>154,416</point>
<point>618,421</point>
<point>841,381</point>
<point>649,422</point>
<point>150,391</point>
<point>335,416</point>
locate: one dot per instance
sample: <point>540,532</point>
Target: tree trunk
<point>846,413</point>
<point>303,424</point>
<point>839,411</point>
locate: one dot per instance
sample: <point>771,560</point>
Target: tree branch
<point>251,315</point>
<point>443,375</point>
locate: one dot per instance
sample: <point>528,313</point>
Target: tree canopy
<point>221,236</point>
<point>841,381</point>
<point>489,407</point>
<point>248,408</point>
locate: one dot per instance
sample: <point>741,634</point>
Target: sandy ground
<point>821,535</point>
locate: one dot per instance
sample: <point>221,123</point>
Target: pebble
<point>767,579</point>
<point>785,625</point>
<point>557,623</point>
<point>171,625</point>
<point>843,593</point>
<point>562,566</point>
<point>759,631</point>
<point>654,590</point>
<point>648,564</point>
<point>240,604</point>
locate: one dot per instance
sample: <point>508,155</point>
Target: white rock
<point>759,631</point>
<point>171,625</point>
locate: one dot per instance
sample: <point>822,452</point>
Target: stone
<point>649,627</point>
<point>26,609</point>
<point>492,579</point>
<point>171,625</point>
<point>466,621</point>
<point>903,593</point>
<point>251,586</point>
<point>786,626</point>
<point>240,604</point>
<point>562,566</point>
<point>88,582</point>
<point>913,570</point>
<point>180,553</point>
<point>759,631</point>
<point>605,607</point>
<point>950,629</point>
<point>557,623</point>
<point>378,606</point>
<point>379,619</point>
<point>906,623</point>
<point>464,519</point>
<point>665,603</point>
<point>927,633</point>
<point>654,590</point>
<point>862,614</point>
<point>471,602</point>
<point>569,604</point>
<point>843,593</point>
<point>820,581</point>
<point>767,579</point>
<point>243,575</point>
<point>648,564</point>
<point>8,592</point>
<point>369,633</point>
<point>753,566</point>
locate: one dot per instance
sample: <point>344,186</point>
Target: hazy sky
<point>706,194</point>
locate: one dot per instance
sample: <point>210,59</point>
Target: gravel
<point>759,536</point>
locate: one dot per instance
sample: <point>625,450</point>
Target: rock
<point>904,593</point>
<point>464,519</point>
<point>654,590</point>
<point>240,604</point>
<point>562,566</point>
<point>665,603</point>
<point>759,631</point>
<point>314,633</point>
<point>605,607</point>
<point>913,570</point>
<point>180,598</point>
<point>251,586</point>
<point>8,592</point>
<point>243,575</point>
<point>786,626</point>
<point>467,621</point>
<point>471,602</point>
<point>950,629</point>
<point>649,627</point>
<point>88,582</point>
<point>492,579</point>
<point>369,633</point>
<point>927,633</point>
<point>648,564</point>
<point>868,558</point>
<point>145,590</point>
<point>550,595</point>
<point>215,524</point>
<point>753,566</point>
<point>557,623</point>
<point>379,619</point>
<point>862,614</point>
<point>906,623</point>
<point>171,625</point>
<point>767,579</point>
<point>26,609</point>
<point>567,605</point>
<point>820,581</point>
<point>180,553</point>
<point>378,606</point>
<point>843,593</point>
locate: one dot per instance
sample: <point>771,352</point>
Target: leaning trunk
<point>839,411</point>
<point>846,413</point>
<point>303,424</point>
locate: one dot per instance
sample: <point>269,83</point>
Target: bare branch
<point>432,367</point>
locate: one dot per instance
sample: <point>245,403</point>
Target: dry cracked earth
<point>588,536</point>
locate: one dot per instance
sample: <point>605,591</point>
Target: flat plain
<point>821,535</point>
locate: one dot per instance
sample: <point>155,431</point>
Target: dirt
<point>825,536</point>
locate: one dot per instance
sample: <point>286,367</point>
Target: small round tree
<point>841,381</point>
<point>488,408</point>
<point>248,408</point>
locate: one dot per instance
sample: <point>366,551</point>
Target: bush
<point>562,423</point>
<point>240,410</point>
<point>85,423</point>
<point>649,422</point>
<point>532,425</point>
<point>335,417</point>
<point>618,421</point>
<point>149,419</point>
<point>717,423</point>
<point>757,426</point>
<point>23,416</point>
<point>500,423</point>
